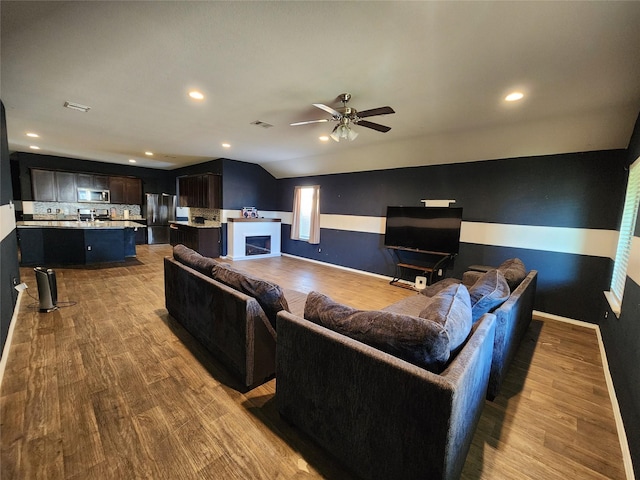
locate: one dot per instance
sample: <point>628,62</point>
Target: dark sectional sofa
<point>395,393</point>
<point>231,314</point>
<point>389,414</point>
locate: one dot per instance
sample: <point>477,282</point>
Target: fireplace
<point>253,238</point>
<point>257,245</point>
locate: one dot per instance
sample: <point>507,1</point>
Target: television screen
<point>428,229</point>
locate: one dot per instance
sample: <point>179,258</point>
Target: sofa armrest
<point>513,318</point>
<point>381,416</point>
<point>470,277</point>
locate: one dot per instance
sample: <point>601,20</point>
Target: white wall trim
<point>577,241</point>
<point>7,343</point>
<point>7,220</point>
<point>615,406</point>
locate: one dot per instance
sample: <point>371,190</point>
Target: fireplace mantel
<point>239,229</point>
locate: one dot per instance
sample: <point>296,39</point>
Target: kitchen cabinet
<point>43,185</point>
<point>52,186</point>
<point>87,180</point>
<point>127,190</point>
<point>204,240</point>
<point>200,191</point>
<point>66,187</point>
<point>62,186</point>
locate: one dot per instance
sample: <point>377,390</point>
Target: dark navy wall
<point>621,337</point>
<point>572,190</point>
<point>248,185</point>
<point>153,181</point>
<point>243,184</point>
<point>9,244</point>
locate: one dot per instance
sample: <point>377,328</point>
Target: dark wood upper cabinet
<point>43,185</point>
<point>61,186</point>
<point>66,187</point>
<point>200,191</point>
<point>126,190</point>
<point>52,186</point>
<point>87,180</point>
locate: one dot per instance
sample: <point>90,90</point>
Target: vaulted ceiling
<point>444,67</point>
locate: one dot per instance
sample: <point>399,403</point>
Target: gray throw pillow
<point>193,259</point>
<point>419,341</point>
<point>490,291</point>
<point>513,271</point>
<point>451,308</point>
<point>432,290</point>
<point>269,295</point>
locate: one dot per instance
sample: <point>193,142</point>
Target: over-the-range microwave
<point>90,195</point>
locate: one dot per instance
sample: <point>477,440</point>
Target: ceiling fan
<point>348,116</point>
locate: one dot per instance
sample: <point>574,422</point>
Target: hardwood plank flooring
<point>112,387</point>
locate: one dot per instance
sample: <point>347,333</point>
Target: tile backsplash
<point>53,210</point>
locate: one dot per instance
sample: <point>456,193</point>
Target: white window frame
<point>306,214</point>
<point>625,238</point>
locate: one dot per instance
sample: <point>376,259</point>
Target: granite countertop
<point>206,224</point>
<point>106,224</point>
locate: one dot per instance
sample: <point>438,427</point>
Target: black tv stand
<point>433,271</point>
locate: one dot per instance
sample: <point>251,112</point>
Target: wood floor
<point>112,387</point>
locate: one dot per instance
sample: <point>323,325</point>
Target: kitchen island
<point>63,242</point>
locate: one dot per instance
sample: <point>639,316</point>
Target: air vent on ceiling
<point>258,123</point>
<point>77,106</point>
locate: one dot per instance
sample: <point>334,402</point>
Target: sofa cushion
<point>514,272</point>
<point>451,308</point>
<point>490,291</point>
<point>432,290</point>
<point>420,341</point>
<point>193,259</point>
<point>269,295</point>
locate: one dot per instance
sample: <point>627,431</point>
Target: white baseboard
<point>7,343</point>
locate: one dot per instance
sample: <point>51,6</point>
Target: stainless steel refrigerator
<point>160,210</point>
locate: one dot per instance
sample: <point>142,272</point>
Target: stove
<point>85,214</point>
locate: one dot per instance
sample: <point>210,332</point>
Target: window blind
<point>627,227</point>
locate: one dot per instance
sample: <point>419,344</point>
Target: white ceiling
<point>443,66</point>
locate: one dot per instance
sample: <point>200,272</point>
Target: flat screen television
<point>426,229</point>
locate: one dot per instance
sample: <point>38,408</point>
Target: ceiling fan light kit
<point>347,117</point>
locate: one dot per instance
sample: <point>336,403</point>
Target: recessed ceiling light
<point>33,135</point>
<point>514,96</point>
<point>226,145</point>
<point>131,160</point>
<point>324,138</point>
<point>34,147</point>
<point>149,154</point>
<point>196,95</point>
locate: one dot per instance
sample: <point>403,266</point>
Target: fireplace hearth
<point>253,238</point>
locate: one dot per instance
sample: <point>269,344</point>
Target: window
<point>306,214</point>
<point>627,228</point>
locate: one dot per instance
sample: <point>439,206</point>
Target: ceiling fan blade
<point>308,122</point>
<point>376,111</point>
<point>330,110</point>
<point>375,126</point>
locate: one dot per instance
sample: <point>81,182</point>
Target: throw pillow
<point>487,293</point>
<point>451,308</point>
<point>513,271</point>
<point>193,259</point>
<point>269,295</point>
<point>432,290</point>
<point>419,341</point>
